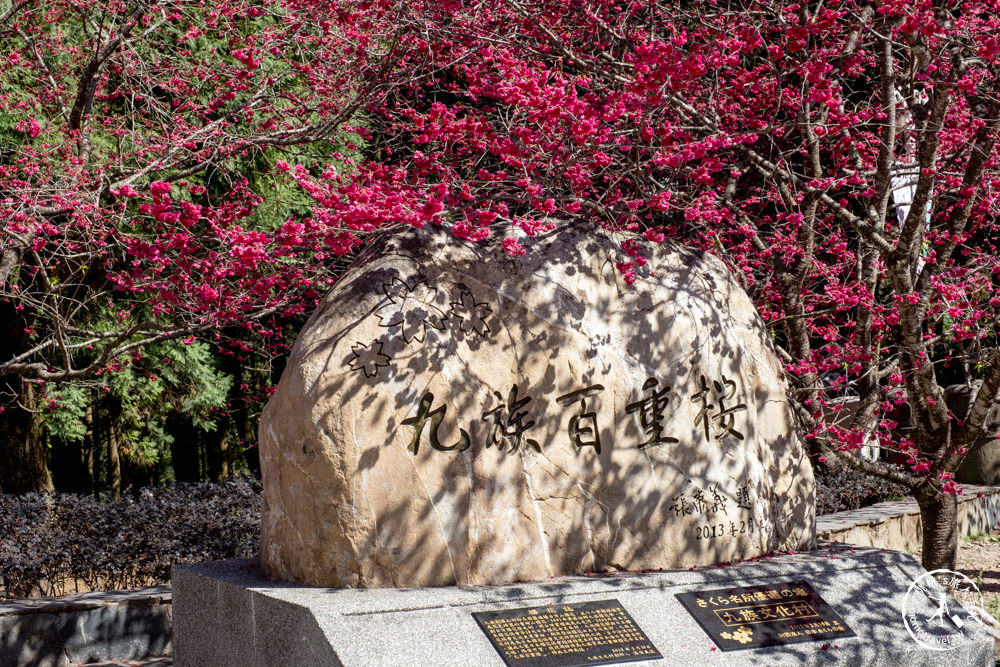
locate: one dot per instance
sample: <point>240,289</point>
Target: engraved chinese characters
<point>650,410</point>
<point>508,425</point>
<point>451,415</point>
<point>583,431</point>
<point>436,416</point>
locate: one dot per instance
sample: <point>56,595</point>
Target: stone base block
<point>226,613</point>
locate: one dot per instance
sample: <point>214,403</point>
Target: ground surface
<point>979,559</point>
<point>165,661</point>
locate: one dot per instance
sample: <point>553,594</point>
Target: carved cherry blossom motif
<point>471,313</point>
<point>743,635</point>
<point>368,358</point>
<point>411,309</point>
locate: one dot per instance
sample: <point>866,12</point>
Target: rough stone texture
<point>279,624</point>
<point>896,525</point>
<point>515,369</point>
<point>85,628</point>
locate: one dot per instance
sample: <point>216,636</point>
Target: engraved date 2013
<point>712,531</point>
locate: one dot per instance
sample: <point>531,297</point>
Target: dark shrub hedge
<point>53,545</point>
<point>846,489</point>
<point>50,545</point>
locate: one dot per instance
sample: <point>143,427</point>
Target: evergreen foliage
<point>54,545</point>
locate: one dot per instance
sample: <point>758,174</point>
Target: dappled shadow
<point>454,348</point>
<point>868,589</point>
<point>988,581</point>
<point>80,629</point>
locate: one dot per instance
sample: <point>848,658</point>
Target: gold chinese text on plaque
<point>755,616</point>
<point>599,632</point>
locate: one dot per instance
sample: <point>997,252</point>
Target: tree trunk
<point>223,457</point>
<point>217,452</point>
<point>114,459</point>
<point>248,437</point>
<point>24,466</point>
<point>89,444</point>
<point>939,528</point>
<point>224,453</point>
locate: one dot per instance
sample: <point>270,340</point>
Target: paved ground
<point>165,661</point>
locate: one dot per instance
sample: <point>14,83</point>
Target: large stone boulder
<point>451,415</point>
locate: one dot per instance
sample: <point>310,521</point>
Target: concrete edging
<point>86,627</point>
<point>896,525</point>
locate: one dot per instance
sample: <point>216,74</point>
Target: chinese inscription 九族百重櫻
<point>509,421</point>
<point>410,309</point>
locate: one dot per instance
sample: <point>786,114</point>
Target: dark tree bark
<point>24,458</point>
<point>217,444</point>
<point>247,429</point>
<point>89,445</point>
<point>114,456</point>
<point>220,455</point>
<point>939,521</point>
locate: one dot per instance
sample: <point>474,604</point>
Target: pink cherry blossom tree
<point>839,156</point>
<point>140,140</point>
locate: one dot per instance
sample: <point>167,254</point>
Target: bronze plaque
<point>755,616</point>
<point>566,635</point>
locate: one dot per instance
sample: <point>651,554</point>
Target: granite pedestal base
<point>227,613</point>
